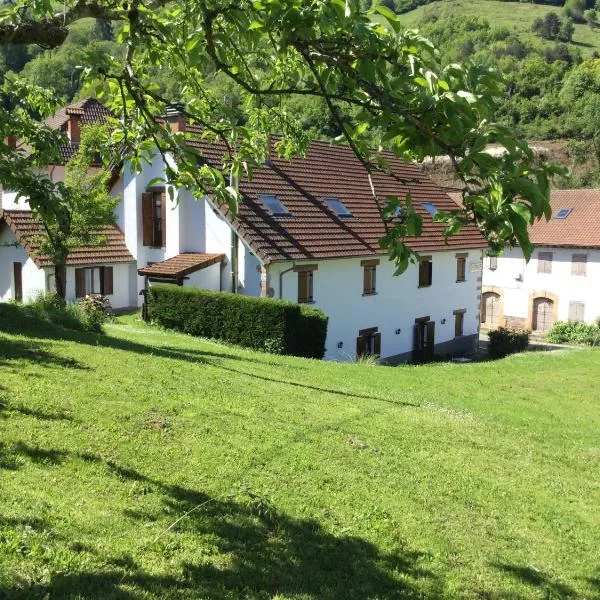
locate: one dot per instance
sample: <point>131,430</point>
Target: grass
<point>513,15</point>
<point>147,464</point>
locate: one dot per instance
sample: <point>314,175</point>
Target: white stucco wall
<point>206,279</point>
<point>338,287</point>
<point>33,279</point>
<point>518,280</point>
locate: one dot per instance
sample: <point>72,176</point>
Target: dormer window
<point>563,213</point>
<point>338,208</point>
<point>429,207</point>
<point>274,205</point>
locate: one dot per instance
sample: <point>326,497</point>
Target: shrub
<point>574,332</point>
<point>507,341</point>
<point>273,325</point>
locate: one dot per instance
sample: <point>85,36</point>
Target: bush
<point>574,332</point>
<point>274,326</point>
<point>87,315</point>
<point>507,341</point>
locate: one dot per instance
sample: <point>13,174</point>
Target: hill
<point>147,464</point>
<point>516,16</point>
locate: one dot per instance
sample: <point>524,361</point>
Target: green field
<point>514,15</point>
<point>147,464</point>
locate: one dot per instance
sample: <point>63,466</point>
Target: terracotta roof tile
<point>312,231</point>
<point>27,230</point>
<point>181,265</point>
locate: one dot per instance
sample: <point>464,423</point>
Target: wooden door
<point>543,319</point>
<point>18,279</point>
<point>490,309</point>
<point>424,341</point>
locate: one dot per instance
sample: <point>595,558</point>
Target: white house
<point>307,231</point>
<point>561,282</point>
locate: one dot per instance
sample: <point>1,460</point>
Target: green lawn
<point>146,464</point>
<point>514,15</point>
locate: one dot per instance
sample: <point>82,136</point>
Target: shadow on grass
<point>247,548</point>
<point>12,321</point>
<point>11,456</point>
<point>34,352</point>
<point>547,586</point>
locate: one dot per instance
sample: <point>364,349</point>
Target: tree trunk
<point>60,281</point>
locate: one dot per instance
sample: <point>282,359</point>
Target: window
<point>544,262</point>
<point>93,280</point>
<point>579,264</point>
<point>18,281</point>
<point>461,267</point>
<point>425,271</point>
<point>459,322</point>
<point>563,213</point>
<point>276,208</point>
<point>369,276</point>
<point>337,207</point>
<point>492,263</point>
<point>397,213</point>
<point>429,207</point>
<point>576,311</point>
<point>154,206</point>
<point>305,283</point>
<point>368,342</point>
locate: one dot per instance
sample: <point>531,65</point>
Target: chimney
<point>11,142</point>
<point>176,119</point>
<point>74,128</point>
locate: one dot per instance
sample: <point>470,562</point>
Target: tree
<point>384,88</point>
<point>73,210</point>
<point>567,29</point>
<point>590,17</point>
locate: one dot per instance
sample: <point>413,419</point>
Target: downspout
<point>281,279</point>
<point>235,184</point>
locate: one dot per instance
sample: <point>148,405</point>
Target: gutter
<point>281,278</point>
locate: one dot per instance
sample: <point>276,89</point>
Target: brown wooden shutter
<point>545,262</point>
<point>578,264</point>
<point>361,346</point>
<point>147,219</point>
<point>430,341</point>
<point>18,275</point>
<point>79,283</point>
<point>461,267</point>
<point>302,286</point>
<point>107,279</point>
<point>163,216</point>
<point>576,311</point>
<point>377,344</point>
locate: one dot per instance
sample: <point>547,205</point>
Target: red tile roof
<point>28,230</point>
<point>581,228</point>
<point>181,265</point>
<point>313,231</point>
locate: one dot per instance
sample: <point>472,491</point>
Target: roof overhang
<point>177,267</point>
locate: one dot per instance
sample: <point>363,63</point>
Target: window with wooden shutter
<point>107,281</point>
<point>544,262</point>
<point>18,281</point>
<point>459,322</point>
<point>305,282</point>
<point>160,207</point>
<point>425,271</point>
<point>147,220</point>
<point>79,283</point>
<point>461,267</point>
<point>576,311</point>
<point>368,342</point>
<point>369,276</point>
<point>579,264</point>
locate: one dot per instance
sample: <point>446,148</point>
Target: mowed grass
<point>517,16</point>
<point>148,464</point>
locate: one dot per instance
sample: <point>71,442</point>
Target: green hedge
<point>574,333</point>
<point>507,341</point>
<point>276,326</point>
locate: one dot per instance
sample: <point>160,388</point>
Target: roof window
<point>338,207</point>
<point>398,212</point>
<point>274,205</point>
<point>563,213</point>
<point>429,207</point>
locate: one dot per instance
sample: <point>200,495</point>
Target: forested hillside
<point>548,51</point>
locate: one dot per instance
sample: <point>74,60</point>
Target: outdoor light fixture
<point>340,344</point>
<point>443,321</point>
<point>398,331</point>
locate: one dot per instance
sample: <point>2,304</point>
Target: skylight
<point>338,207</point>
<point>563,213</point>
<point>274,205</point>
<point>429,207</point>
<point>398,212</point>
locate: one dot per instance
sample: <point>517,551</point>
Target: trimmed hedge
<point>507,341</point>
<point>277,326</point>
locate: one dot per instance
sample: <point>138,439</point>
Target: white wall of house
<point>206,279</point>
<point>338,291</point>
<point>520,282</point>
<point>33,279</point>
